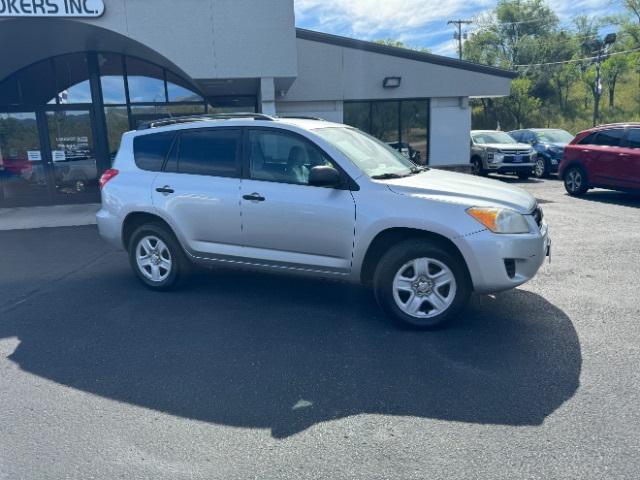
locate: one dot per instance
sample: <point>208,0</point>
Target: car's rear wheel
<point>575,181</point>
<point>541,170</point>
<point>156,257</point>
<point>421,285</point>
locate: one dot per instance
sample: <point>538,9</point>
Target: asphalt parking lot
<point>244,375</point>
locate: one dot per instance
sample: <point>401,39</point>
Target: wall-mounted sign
<point>51,8</point>
<point>34,155</point>
<point>58,155</point>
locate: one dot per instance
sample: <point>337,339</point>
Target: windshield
<point>373,157</point>
<point>483,138</point>
<point>554,136</point>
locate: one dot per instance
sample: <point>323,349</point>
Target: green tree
<point>520,103</point>
<point>612,69</point>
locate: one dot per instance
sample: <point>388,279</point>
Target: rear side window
<point>633,140</point>
<point>151,150</point>
<point>608,138</point>
<point>209,152</point>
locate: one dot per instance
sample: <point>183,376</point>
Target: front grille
<point>524,158</point>
<point>514,151</point>
<point>538,215</point>
<point>510,267</point>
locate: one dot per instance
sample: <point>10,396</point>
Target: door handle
<point>254,197</point>
<point>166,190</point>
<point>624,154</point>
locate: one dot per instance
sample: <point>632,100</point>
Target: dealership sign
<point>51,8</point>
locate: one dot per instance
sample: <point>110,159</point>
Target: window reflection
<point>112,78</point>
<point>146,81</point>
<point>21,169</point>
<point>179,91</point>
<point>72,79</point>
<point>117,124</point>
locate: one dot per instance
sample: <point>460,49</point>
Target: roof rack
<point>164,122</point>
<point>302,117</point>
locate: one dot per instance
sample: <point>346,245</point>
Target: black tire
<point>541,169</point>
<point>395,259</point>
<point>575,181</point>
<point>477,168</point>
<point>180,265</point>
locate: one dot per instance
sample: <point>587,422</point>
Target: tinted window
<point>281,157</point>
<point>517,136</point>
<point>151,150</point>
<point>589,139</point>
<point>209,152</point>
<point>609,138</point>
<point>633,140</point>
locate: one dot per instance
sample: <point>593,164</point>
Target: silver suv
<point>316,198</point>
<point>497,152</point>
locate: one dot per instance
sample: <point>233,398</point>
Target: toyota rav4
<point>316,198</point>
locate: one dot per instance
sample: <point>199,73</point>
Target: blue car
<point>549,145</point>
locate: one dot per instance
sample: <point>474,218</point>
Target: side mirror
<point>324,176</point>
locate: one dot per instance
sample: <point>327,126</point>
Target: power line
<point>576,60</point>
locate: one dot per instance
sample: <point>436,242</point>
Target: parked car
<point>549,145</point>
<point>321,199</point>
<point>408,151</point>
<point>497,152</point>
<point>606,157</point>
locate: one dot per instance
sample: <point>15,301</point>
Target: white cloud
<point>371,18</point>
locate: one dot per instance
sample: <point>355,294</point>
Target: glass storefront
<point>61,121</point>
<point>403,124</point>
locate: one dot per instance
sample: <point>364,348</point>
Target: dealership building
<point>76,74</point>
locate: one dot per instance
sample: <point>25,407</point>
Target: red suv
<point>606,157</point>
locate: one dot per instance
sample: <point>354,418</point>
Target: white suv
<point>317,198</point>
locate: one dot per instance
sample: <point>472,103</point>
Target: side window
<point>609,138</point>
<point>151,150</point>
<point>589,139</point>
<point>282,157</point>
<point>209,152</point>
<point>517,136</point>
<point>633,140</point>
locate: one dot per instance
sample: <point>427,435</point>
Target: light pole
<point>603,48</point>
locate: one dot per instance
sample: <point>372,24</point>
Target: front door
<point>605,157</point>
<point>23,170</point>
<point>630,160</point>
<point>71,154</point>
<point>48,156</point>
<point>285,221</point>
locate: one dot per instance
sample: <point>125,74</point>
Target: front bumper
<point>511,167</point>
<point>489,256</point>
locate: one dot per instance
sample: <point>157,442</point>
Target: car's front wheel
<point>477,168</point>
<point>156,257</point>
<point>421,285</point>
<point>541,170</point>
<point>575,181</point>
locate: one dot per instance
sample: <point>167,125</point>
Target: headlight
<point>500,220</point>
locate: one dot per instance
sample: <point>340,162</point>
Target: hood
<point>507,146</point>
<point>464,189</point>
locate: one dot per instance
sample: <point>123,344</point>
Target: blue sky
<point>418,23</point>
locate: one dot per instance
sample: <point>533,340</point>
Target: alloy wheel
<point>573,180</point>
<point>153,258</point>
<point>540,168</point>
<point>424,288</point>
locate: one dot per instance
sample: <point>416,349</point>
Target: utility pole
<point>603,48</point>
<point>458,35</point>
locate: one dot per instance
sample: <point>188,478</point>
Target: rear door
<point>199,189</point>
<point>602,155</point>
<point>286,221</point>
<point>629,162</point>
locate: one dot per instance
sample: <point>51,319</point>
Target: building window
<point>179,91</point>
<point>402,124</point>
<point>72,79</point>
<point>112,78</point>
<point>146,82</point>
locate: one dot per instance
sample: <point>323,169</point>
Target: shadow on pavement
<point>261,351</point>
<point>612,197</point>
